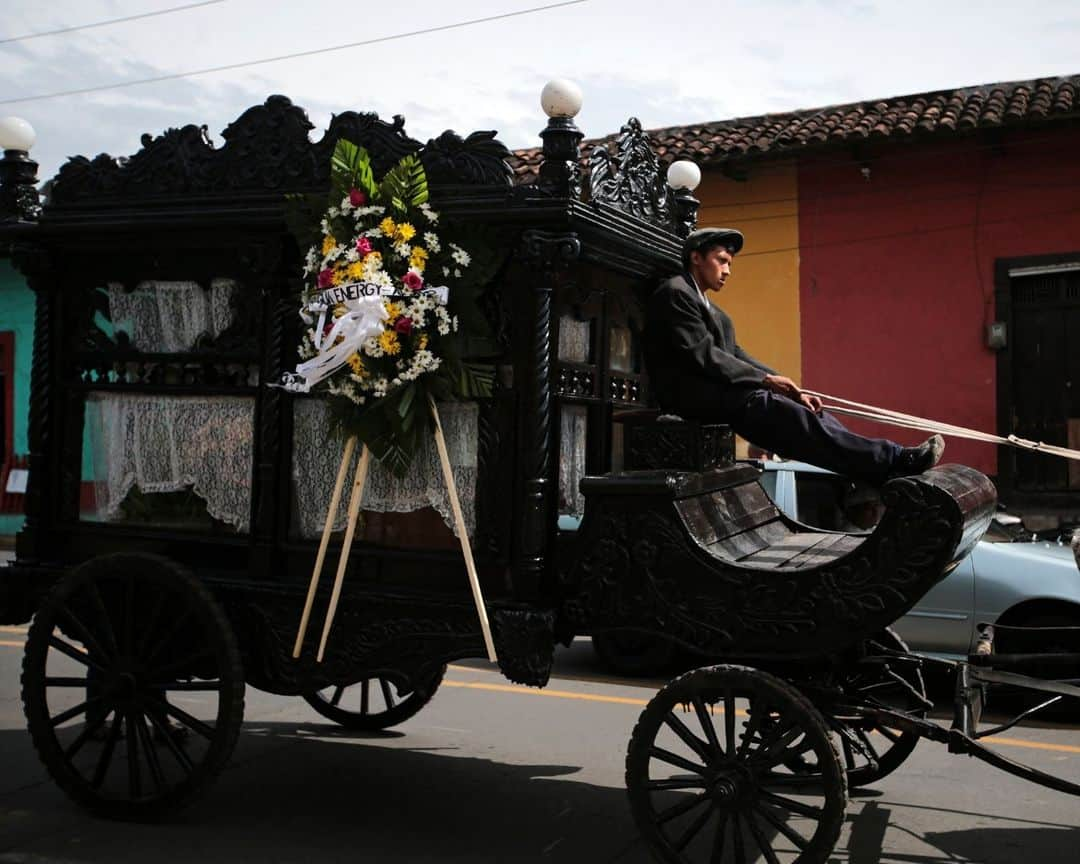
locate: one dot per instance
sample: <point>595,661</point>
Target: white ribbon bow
<point>362,320</point>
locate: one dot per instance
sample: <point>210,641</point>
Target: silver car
<point>1007,579</point>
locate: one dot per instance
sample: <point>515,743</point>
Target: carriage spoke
<point>387,695</point>
<point>160,645</point>
<point>187,686</point>
<point>676,783</point>
<point>737,838</point>
<point>166,733</point>
<point>74,653</point>
<point>150,623</point>
<point>676,760</point>
<point>89,729</point>
<point>89,640</point>
<point>364,696</point>
<point>849,753</point>
<point>180,714</point>
<point>66,682</point>
<point>105,759</point>
<point>759,838</point>
<point>693,829</point>
<point>719,837</point>
<point>891,734</point>
<point>129,614</point>
<point>806,810</point>
<point>807,783</point>
<point>74,712</point>
<point>706,722</point>
<point>152,760</point>
<point>99,606</point>
<point>780,825</point>
<point>684,806</point>
<point>132,737</point>
<point>338,692</point>
<point>778,750</point>
<point>689,738</point>
<point>750,731</point>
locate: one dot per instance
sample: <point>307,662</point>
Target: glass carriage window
<point>182,461</point>
<point>575,340</point>
<point>621,349</point>
<point>572,430</point>
<point>170,317</point>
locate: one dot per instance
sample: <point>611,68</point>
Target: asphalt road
<point>491,772</point>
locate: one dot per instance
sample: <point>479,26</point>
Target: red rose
<point>404,325</point>
<point>363,245</point>
<point>357,198</point>
<point>326,278</point>
<point>413,281</point>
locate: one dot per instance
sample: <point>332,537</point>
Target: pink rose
<point>404,326</point>
<point>357,198</point>
<point>326,278</point>
<point>363,245</point>
<point>413,281</point>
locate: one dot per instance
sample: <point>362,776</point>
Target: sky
<point>667,64</point>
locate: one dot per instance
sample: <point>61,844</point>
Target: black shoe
<point>915,460</point>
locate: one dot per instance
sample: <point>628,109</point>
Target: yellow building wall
<point>762,293</point>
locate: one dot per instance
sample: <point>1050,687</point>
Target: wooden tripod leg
<point>343,561</point>
<point>463,535</point>
<point>331,514</point>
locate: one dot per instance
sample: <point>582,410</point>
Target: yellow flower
<point>405,232</point>
<point>355,270</point>
<point>394,311</point>
<point>356,364</point>
<point>423,341</point>
<point>388,227</point>
<point>372,257</point>
<point>338,277</point>
<point>328,244</point>
<point>340,310</point>
<point>388,341</point>
<point>418,258</point>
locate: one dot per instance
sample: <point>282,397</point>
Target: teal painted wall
<point>17,315</point>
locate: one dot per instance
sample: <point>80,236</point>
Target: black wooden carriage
<point>178,570</point>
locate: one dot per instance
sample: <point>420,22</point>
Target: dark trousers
<point>786,427</point>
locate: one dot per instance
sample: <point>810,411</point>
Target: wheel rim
<point>707,776</point>
<point>872,751</point>
<point>374,703</point>
<point>131,688</point>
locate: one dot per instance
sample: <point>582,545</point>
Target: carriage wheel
<point>871,751</point>
<point>132,686</point>
<point>373,703</point>
<point>707,776</point>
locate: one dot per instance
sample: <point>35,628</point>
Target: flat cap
<point>705,238</point>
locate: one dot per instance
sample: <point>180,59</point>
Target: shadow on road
<point>309,792</point>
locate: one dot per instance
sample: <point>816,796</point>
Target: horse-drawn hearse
<point>176,498</point>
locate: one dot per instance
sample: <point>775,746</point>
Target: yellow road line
<point>13,629</point>
<point>558,694</point>
<point>13,644</point>
<point>622,700</point>
<point>1033,745</point>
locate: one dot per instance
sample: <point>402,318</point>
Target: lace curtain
<point>168,443</point>
<point>573,425</point>
<point>317,454</point>
<point>169,317</point>
<point>573,340</point>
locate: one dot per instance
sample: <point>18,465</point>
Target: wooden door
<point>1046,377</point>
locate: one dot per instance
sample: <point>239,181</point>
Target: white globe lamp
<point>16,134</point>
<point>561,98</point>
<point>683,174</point>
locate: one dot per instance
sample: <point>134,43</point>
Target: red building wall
<point>896,270</point>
